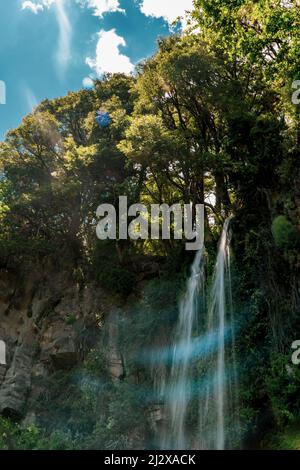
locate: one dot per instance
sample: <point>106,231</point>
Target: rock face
<point>59,346</point>
<point>17,381</point>
<point>47,322</point>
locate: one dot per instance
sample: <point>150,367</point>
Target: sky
<point>50,47</point>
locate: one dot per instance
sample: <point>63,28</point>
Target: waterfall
<point>218,424</point>
<point>179,390</point>
<point>203,361</point>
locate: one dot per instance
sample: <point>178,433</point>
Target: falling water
<point>203,365</point>
<point>179,391</point>
<point>218,424</point>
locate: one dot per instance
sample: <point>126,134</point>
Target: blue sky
<point>49,47</point>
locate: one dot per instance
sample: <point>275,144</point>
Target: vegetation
<point>210,113</point>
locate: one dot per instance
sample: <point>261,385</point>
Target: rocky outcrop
<point>67,355</point>
<point>58,345</point>
<point>16,384</point>
<point>48,322</point>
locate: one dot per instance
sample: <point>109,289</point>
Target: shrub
<point>284,232</point>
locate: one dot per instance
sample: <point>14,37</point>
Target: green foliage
<point>289,439</point>
<point>283,382</point>
<point>116,279</point>
<point>15,437</point>
<point>284,232</point>
<point>208,117</point>
<point>108,271</point>
<point>124,425</point>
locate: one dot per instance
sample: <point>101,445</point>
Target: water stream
<point>203,362</point>
<point>179,392</point>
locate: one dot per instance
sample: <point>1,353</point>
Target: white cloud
<point>108,57</point>
<point>170,10</point>
<point>34,7</point>
<point>102,6</point>
<point>88,82</point>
